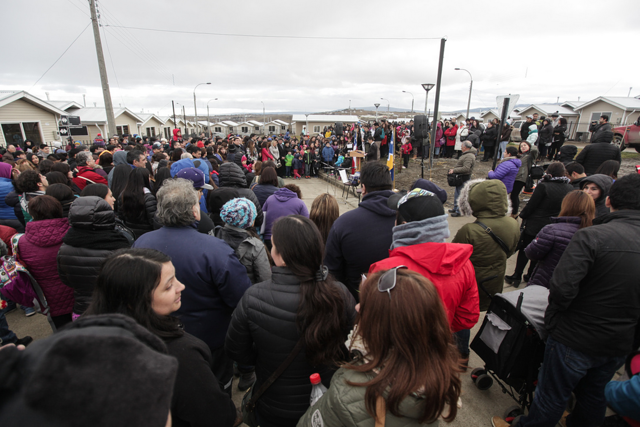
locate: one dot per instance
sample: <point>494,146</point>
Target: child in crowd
<point>340,160</point>
<point>288,161</point>
<point>298,166</point>
<point>406,152</point>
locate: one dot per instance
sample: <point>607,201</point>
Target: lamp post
<point>208,119</point>
<point>427,87</point>
<point>377,105</point>
<point>195,108</point>
<point>263,118</point>
<point>412,99</point>
<point>307,116</point>
<point>470,89</point>
<point>388,103</point>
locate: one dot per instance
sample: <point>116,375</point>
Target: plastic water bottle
<point>317,389</point>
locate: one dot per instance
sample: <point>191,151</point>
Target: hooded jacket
<point>527,160</point>
<point>176,136</point>
<point>465,162</point>
<point>487,200</point>
<point>533,135</point>
<point>38,250</point>
<point>548,247</point>
<point>448,267</point>
<point>604,182</point>
<point>506,172</point>
<point>250,251</point>
<point>119,158</point>
<point>91,238</point>
<point>596,153</point>
<point>489,136</point>
<point>283,202</point>
<point>231,176</point>
<point>264,331</point>
<point>86,174</point>
<point>602,133</point>
<point>594,299</point>
<point>545,203</point>
<point>545,134</point>
<point>359,238</point>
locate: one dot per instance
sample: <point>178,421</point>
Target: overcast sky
<point>540,50</point>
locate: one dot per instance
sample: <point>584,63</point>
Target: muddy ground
<point>404,178</point>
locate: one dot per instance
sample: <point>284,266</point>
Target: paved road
<point>477,406</point>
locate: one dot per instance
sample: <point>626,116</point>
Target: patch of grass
<point>630,155</point>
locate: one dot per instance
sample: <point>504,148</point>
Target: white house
<point>317,122</point>
<point>621,111</point>
<point>24,116</point>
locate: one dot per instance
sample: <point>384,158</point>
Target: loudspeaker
<point>339,130</point>
<point>420,127</point>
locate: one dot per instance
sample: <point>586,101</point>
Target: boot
<point>499,422</point>
<point>246,380</point>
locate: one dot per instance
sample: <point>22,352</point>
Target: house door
<point>12,133</point>
<point>32,132</point>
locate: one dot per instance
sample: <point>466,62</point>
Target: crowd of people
<point>170,267</point>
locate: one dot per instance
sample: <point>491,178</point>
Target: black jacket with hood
<point>596,153</point>
<point>545,203</point>
<point>360,238</point>
<point>231,176</point>
<point>604,182</point>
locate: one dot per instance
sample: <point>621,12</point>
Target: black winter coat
<point>545,134</point>
<point>146,220</point>
<point>594,300</point>
<point>91,238</point>
<point>489,136</point>
<point>232,176</point>
<point>558,134</point>
<point>262,333</point>
<point>545,203</point>
<point>595,154</point>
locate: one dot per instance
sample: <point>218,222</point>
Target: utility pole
<point>108,106</point>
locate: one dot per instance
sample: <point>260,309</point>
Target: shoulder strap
<point>86,179</point>
<point>494,237</point>
<point>251,404</point>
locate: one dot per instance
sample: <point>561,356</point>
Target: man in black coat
<point>601,132</point>
<point>488,139</point>
<point>362,236</point>
<point>593,316</point>
<point>599,151</point>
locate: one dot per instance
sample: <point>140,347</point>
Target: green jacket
<point>344,406</point>
<point>466,162</point>
<point>288,159</point>
<point>487,200</point>
<point>527,161</point>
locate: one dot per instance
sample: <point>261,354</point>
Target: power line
<point>112,66</point>
<point>273,36</point>
<point>65,51</point>
<point>80,9</point>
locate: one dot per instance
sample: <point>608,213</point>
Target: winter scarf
<point>435,230</point>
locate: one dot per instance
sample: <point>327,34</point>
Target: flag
<point>391,138</point>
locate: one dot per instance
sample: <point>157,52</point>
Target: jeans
<point>456,194</point>
<point>501,148</point>
<point>307,167</point>
<point>462,341</point>
<point>6,335</point>
<point>288,171</point>
<point>566,370</point>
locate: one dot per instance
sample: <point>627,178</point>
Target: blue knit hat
<point>240,212</point>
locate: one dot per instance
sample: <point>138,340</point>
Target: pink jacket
<point>38,250</point>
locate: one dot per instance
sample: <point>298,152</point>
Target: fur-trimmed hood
<point>484,198</point>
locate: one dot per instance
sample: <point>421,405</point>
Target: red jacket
<point>448,267</point>
<point>451,132</point>
<point>406,148</point>
<point>88,173</point>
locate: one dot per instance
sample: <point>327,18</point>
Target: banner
<point>390,139</point>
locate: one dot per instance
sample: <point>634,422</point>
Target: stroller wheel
<point>476,373</point>
<point>484,382</point>
<point>512,412</point>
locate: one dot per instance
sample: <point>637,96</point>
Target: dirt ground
<point>404,178</point>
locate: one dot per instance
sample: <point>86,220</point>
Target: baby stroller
<point>511,343</point>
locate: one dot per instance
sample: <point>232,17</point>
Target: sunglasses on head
<point>388,280</point>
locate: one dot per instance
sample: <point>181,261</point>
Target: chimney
<point>84,99</point>
<point>47,93</point>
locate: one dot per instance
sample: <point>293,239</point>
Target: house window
<point>245,129</point>
<point>283,127</point>
<point>217,129</point>
<point>167,133</point>
<point>256,128</point>
<point>151,131</point>
<point>122,130</point>
<point>272,128</point>
<point>595,116</point>
<point>316,129</point>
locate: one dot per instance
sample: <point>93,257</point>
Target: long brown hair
<point>321,319</point>
<point>409,341</point>
<point>324,212</point>
<point>580,204</point>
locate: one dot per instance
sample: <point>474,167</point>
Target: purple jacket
<point>283,202</point>
<point>506,172</point>
<point>548,247</point>
<point>38,250</point>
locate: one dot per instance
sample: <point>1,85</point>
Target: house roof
<point>622,102</point>
<point>99,114</point>
<point>548,109</point>
<point>146,117</point>
<point>8,97</point>
<point>572,104</point>
<point>255,122</point>
<point>65,105</point>
<point>278,122</point>
<point>494,112</point>
<point>328,118</point>
<point>227,123</point>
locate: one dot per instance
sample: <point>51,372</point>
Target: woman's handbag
<point>457,179</point>
<point>250,398</point>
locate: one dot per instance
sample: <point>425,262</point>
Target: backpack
<point>17,284</point>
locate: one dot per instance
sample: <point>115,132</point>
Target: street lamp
<point>388,103</point>
<point>427,87</point>
<point>412,99</point>
<point>208,119</point>
<point>307,116</point>
<point>195,108</point>
<point>263,118</point>
<point>377,105</point>
<point>470,89</point>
